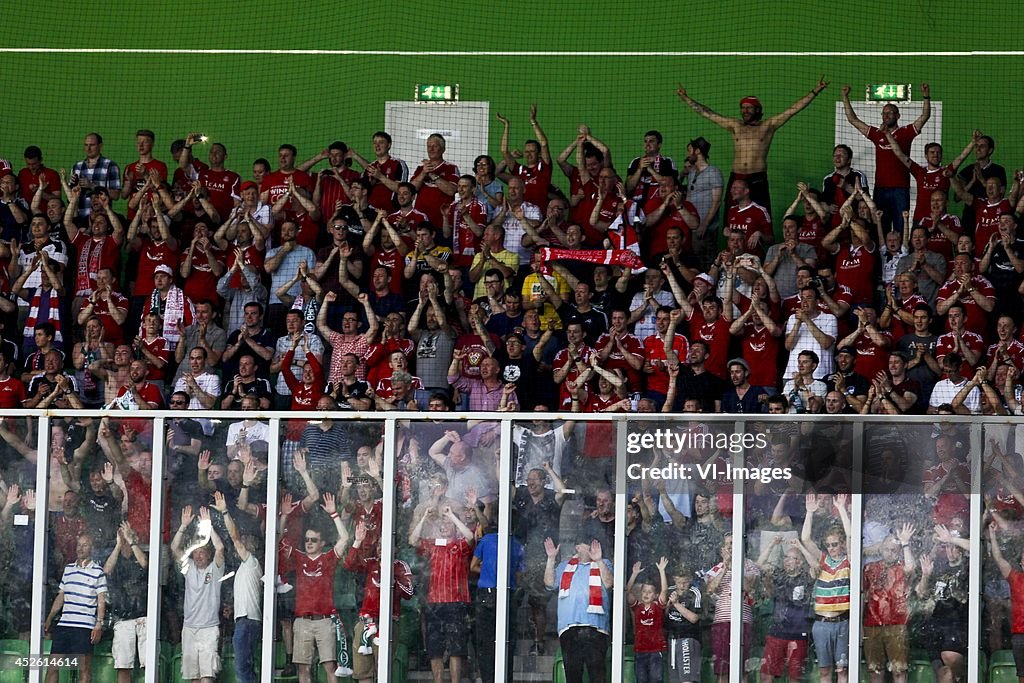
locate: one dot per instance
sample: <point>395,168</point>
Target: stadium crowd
<point>660,287</point>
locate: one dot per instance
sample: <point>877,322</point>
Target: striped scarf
<point>44,308</point>
<point>596,605</point>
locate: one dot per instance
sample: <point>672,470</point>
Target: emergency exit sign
<point>888,92</point>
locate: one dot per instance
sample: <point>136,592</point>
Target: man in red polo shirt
<point>536,169</point>
<point>974,292</point>
<point>136,175</point>
<point>276,184</point>
<point>314,626</point>
<point>749,219</point>
<point>448,594</point>
<point>435,180</point>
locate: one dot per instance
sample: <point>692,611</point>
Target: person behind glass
<point>583,583</point>
<point>203,570</point>
<point>364,557</point>
<point>831,630</point>
<point>248,590</point>
<point>485,563</point>
<point>943,589</point>
<point>792,586</point>
<point>315,621</point>
<point>447,610</point>
<point>81,609</point>
<point>648,619</point>
<point>682,625</point>
<point>719,583</point>
<point>126,569</point>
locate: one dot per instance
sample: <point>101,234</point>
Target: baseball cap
<point>165,269</point>
<point>848,350</point>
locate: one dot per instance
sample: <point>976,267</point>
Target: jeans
<point>892,201</point>
<point>247,635</point>
<point>648,666</point>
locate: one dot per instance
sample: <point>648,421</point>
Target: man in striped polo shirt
<point>81,611</point>
<point>831,630</point>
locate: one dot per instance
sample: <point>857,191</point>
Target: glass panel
<point>679,518</point>
<point>329,531</point>
<point>563,513</point>
<point>214,524</point>
<point>914,538</point>
<point>18,455</point>
<point>1002,547</point>
<point>785,524</point>
<point>446,501</point>
<point>99,541</point>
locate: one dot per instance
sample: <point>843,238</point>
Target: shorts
<point>200,652</point>
<point>363,666</point>
<point>832,643</point>
<point>720,647</point>
<point>951,635</point>
<point>308,634</point>
<point>1017,643</point>
<point>783,655</point>
<point>286,604</point>
<point>447,629</point>
<point>684,660</point>
<point>129,638</point>
<point>68,640</point>
<point>885,648</point>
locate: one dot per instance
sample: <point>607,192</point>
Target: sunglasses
<point>309,539</point>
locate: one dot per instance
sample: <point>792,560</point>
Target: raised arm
<point>779,119</point>
<point>851,115</point>
<point>706,112</point>
<point>926,110</point>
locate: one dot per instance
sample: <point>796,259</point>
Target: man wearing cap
<point>892,178</point>
<point>752,138</point>
<point>741,397</point>
<point>852,385</point>
<point>170,303</point>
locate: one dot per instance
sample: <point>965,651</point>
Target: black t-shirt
<point>536,521</point>
<point>705,386</point>
<point>678,626</point>
<point>794,595</point>
<point>522,372</point>
<point>127,589</point>
<point>357,390</point>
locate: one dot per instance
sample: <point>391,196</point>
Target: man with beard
<point>752,138</point>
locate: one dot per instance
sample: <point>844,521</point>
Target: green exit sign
<point>433,92</point>
<point>888,92</point>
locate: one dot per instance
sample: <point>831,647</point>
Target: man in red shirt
<point>536,171</point>
<point>448,594</point>
<point>222,186</point>
<point>314,626</point>
<point>887,586</point>
<point>136,175</point>
<point>943,228</point>
<point>276,184</point>
<point>385,172</point>
<point>974,292</point>
<point>332,183</point>
<point>986,211</point>
<point>932,178</point>
<point>35,174</point>
<point>434,180</point>
<point>855,260</point>
<point>749,219</point>
<point>892,179</point>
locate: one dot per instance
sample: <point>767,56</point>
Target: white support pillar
<point>270,552</point>
<point>853,549</point>
<point>975,554</point>
<point>505,492</point>
<point>619,570</point>
<point>39,544</point>
<point>736,662</point>
<point>151,656</point>
<point>387,552</point>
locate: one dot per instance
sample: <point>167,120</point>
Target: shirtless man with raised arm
<point>752,137</point>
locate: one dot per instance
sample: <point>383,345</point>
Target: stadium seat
<point>1002,668</point>
<point>10,650</point>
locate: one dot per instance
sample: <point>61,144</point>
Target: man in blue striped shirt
<point>81,608</point>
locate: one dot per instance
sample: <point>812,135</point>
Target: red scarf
<point>596,603</point>
<point>89,263</point>
<point>611,257</point>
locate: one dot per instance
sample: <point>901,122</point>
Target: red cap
<point>247,184</point>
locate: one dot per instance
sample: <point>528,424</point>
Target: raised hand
<point>550,549</point>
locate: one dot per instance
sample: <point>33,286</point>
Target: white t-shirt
<point>249,589</point>
<point>202,595</point>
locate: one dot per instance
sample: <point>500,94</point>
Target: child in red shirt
<point>648,621</point>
